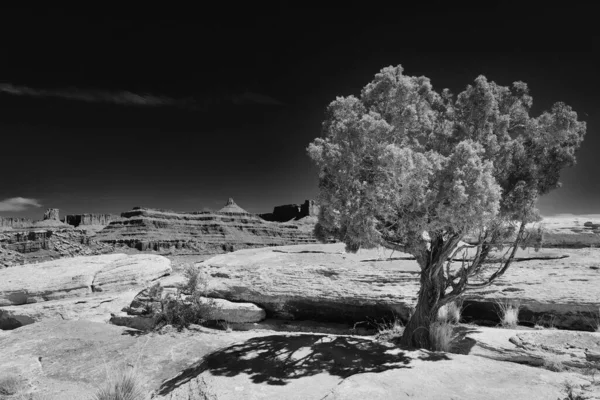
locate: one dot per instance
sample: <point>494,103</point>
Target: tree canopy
<point>412,169</point>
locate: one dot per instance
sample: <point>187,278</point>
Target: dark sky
<point>239,93</point>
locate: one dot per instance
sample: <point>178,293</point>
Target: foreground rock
<point>552,349</point>
<point>73,288</point>
<point>230,228</point>
<point>144,311</point>
<point>61,360</point>
<point>69,359</point>
<point>344,367</point>
<point>322,282</point>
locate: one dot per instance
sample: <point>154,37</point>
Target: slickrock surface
<point>576,231</point>
<point>312,366</point>
<point>68,359</point>
<point>228,229</point>
<point>75,287</point>
<point>61,360</point>
<point>322,282</point>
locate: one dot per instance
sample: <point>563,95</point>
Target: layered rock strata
<point>89,219</point>
<point>228,229</point>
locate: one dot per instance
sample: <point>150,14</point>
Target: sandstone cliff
<point>290,212</point>
<point>205,232</point>
<point>89,219</point>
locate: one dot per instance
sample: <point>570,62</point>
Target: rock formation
<point>289,212</point>
<point>323,283</point>
<point>74,288</point>
<point>52,214</point>
<point>89,219</point>
<point>204,232</point>
<point>34,244</point>
<point>15,222</point>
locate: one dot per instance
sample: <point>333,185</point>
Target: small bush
<point>125,385</point>
<point>187,306</point>
<point>553,365</point>
<point>441,336</point>
<point>508,313</point>
<point>9,385</point>
<point>389,330</point>
<point>451,312</point>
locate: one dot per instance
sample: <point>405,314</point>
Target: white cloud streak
<point>127,98</point>
<point>18,204</point>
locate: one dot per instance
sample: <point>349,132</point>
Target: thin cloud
<point>92,96</point>
<point>18,204</point>
<point>127,98</point>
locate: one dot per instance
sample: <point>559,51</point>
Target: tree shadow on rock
<point>278,359</point>
<point>462,343</point>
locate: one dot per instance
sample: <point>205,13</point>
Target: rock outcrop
<point>89,219</point>
<point>289,212</point>
<point>35,244</point>
<point>322,282</point>
<point>38,291</point>
<point>228,229</point>
<point>52,214</point>
<point>69,359</point>
<point>15,222</point>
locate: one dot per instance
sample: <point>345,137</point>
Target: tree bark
<point>416,332</point>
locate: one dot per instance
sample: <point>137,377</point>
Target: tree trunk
<point>416,332</point>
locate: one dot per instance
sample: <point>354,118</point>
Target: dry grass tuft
<point>451,313</point>
<point>10,384</point>
<point>508,313</point>
<point>441,336</point>
<point>389,331</point>
<point>125,385</point>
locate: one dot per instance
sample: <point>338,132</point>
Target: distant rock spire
<point>232,208</point>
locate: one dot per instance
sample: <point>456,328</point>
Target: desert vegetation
<point>418,171</point>
<point>186,306</point>
<point>123,385</point>
<point>508,312</point>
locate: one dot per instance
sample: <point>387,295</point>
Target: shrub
<point>441,336</point>
<point>125,385</point>
<point>188,305</point>
<point>450,312</point>
<point>553,365</point>
<point>389,330</point>
<point>9,385</point>
<point>508,313</point>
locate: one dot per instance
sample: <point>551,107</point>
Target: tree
<point>418,171</point>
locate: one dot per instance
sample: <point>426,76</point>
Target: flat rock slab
<point>317,282</point>
<point>96,307</point>
<point>322,282</point>
<point>549,348</point>
<point>61,360</point>
<point>78,277</point>
<point>309,366</point>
